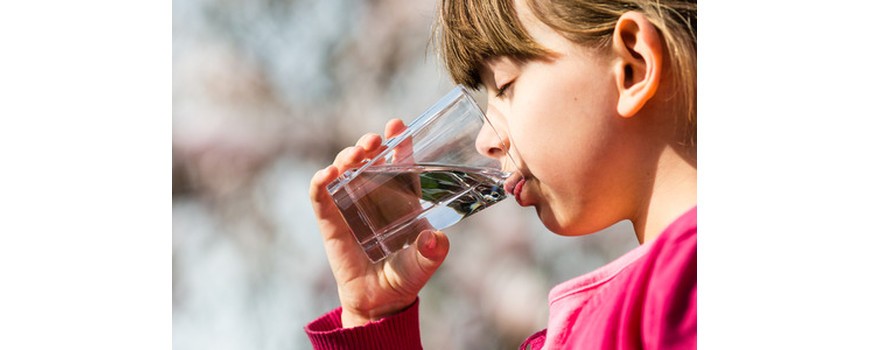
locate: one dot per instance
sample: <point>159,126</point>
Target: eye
<point>500,92</point>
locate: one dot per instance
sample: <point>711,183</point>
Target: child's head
<point>587,94</point>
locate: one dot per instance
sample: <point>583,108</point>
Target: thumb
<point>432,247</point>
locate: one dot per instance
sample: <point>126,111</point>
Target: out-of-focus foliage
<point>265,93</point>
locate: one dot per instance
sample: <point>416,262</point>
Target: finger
<point>372,145</point>
<point>404,150</point>
<point>349,158</point>
<point>393,128</point>
<point>369,142</point>
<point>320,198</point>
<point>341,246</point>
<point>331,224</point>
<point>416,265</point>
<point>432,248</point>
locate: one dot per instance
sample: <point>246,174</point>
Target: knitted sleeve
<point>399,331</point>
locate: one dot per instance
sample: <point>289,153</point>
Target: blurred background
<point>266,92</point>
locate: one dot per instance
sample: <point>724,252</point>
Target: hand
<point>369,291</point>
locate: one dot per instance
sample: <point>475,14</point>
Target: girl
<point>596,103</point>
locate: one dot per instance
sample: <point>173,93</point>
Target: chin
<point>561,227</point>
<point>552,223</point>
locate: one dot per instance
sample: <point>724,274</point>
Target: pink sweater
<point>646,299</point>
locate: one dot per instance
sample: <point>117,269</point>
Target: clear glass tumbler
<point>429,177</point>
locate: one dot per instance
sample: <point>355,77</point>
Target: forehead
<point>532,25</point>
<point>554,44</point>
<point>541,33</point>
<point>471,32</point>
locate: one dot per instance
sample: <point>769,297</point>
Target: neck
<point>674,191</point>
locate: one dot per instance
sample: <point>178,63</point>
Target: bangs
<point>469,32</point>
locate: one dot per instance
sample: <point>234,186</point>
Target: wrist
<point>353,318</point>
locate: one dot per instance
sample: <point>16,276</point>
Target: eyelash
<point>502,90</point>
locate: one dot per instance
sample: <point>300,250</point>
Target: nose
<point>491,142</point>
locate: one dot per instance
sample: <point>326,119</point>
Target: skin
<point>611,153</point>
<point>369,291</point>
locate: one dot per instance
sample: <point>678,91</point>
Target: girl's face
<point>559,120</point>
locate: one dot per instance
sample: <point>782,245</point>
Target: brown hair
<point>469,32</point>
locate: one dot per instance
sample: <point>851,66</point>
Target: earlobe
<point>638,64</point>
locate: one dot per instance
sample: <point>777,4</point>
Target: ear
<point>638,63</point>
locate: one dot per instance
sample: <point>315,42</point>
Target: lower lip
<point>518,191</point>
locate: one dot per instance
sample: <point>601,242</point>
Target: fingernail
<point>431,240</point>
<point>424,240</point>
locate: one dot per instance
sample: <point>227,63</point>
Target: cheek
<point>551,144</point>
<point>568,94</point>
<point>562,131</point>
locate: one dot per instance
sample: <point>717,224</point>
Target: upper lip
<point>510,185</point>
